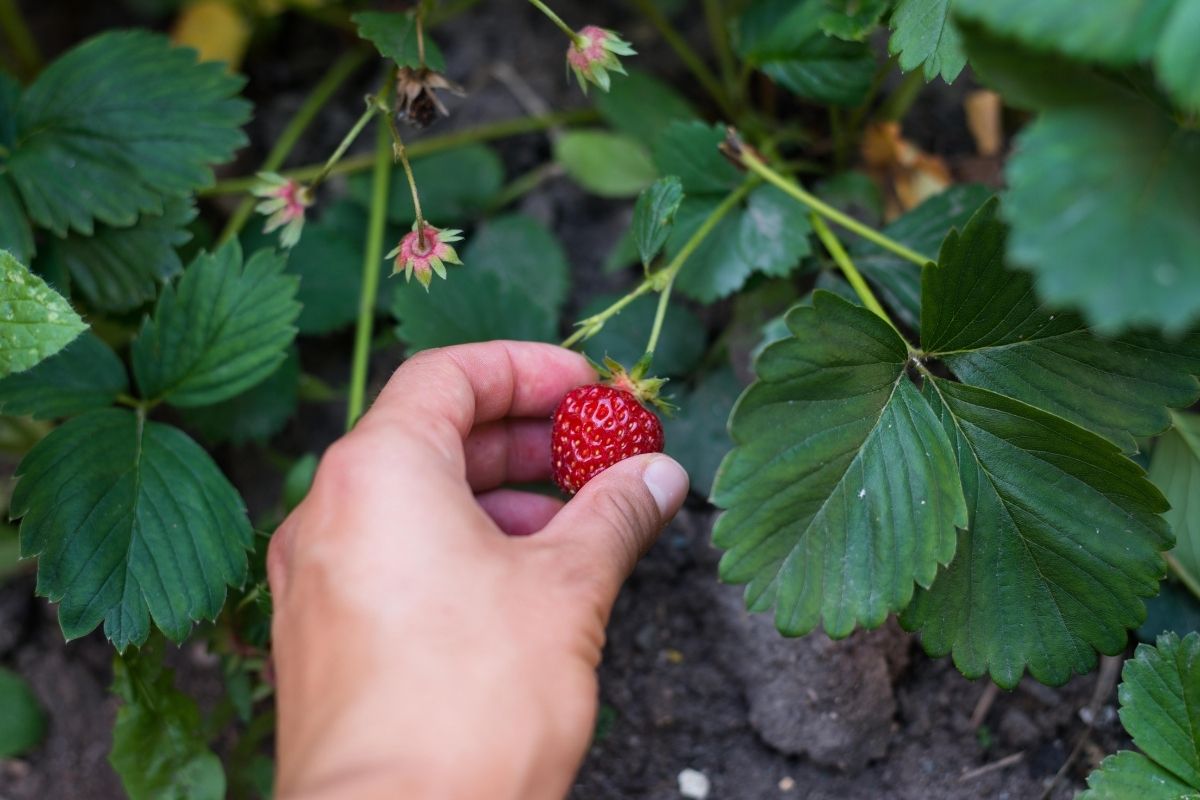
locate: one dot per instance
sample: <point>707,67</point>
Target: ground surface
<point>689,681</point>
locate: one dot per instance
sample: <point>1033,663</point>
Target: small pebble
<point>693,784</point>
<point>786,783</point>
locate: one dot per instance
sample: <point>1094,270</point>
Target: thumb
<point>615,518</point>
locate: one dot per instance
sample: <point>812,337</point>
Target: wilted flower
<point>593,55</point>
<point>425,257</point>
<point>416,95</point>
<point>285,200</point>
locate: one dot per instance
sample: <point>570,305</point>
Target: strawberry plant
<point>949,408</point>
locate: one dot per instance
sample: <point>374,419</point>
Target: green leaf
<point>1177,58</point>
<point>852,20</point>
<point>653,216</point>
<point>10,98</point>
<point>158,748</point>
<point>1174,609</point>
<point>456,186</point>
<point>1102,203</point>
<point>689,150</point>
<point>22,722</point>
<point>15,234</point>
<point>256,414</point>
<point>696,435</point>
<point>1175,469</point>
<point>622,254</point>
<point>924,35</point>
<point>394,35</point>
<point>116,123</point>
<point>1062,542</point>
<point>641,106</point>
<point>818,522</point>
<point>681,345</point>
<point>222,329</point>
<point>1160,704</point>
<point>1116,32</point>
<point>35,321</point>
<point>922,229</point>
<point>985,322</point>
<point>472,306</point>
<point>299,480</point>
<point>84,375</point>
<point>523,253</point>
<point>131,521</point>
<point>607,164</point>
<point>1127,774</point>
<point>119,269</point>
<point>769,234</point>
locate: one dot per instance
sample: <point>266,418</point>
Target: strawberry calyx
<point>646,389</point>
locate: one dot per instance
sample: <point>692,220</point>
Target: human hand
<point>419,651</point>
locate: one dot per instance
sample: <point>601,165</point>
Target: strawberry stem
<point>853,276</point>
<point>557,20</point>
<point>399,153</point>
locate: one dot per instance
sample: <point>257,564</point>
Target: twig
<point>984,705</point>
<point>1007,761</point>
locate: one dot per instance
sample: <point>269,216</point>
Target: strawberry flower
<point>285,201</point>
<point>425,258</point>
<point>593,54</point>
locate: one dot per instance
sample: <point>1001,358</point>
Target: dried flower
<point>427,256</point>
<point>593,55</point>
<point>416,95</point>
<point>285,200</point>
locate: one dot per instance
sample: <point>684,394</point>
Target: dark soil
<point>689,680</point>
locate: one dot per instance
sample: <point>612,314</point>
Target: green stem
<point>522,185</point>
<point>399,153</point>
<point>371,110</point>
<point>425,147</point>
<point>17,32</point>
<point>842,259</point>
<point>718,33</point>
<point>296,126</point>
<point>687,55</point>
<point>557,20</point>
<point>1185,577</point>
<point>901,100</point>
<point>376,227</point>
<point>664,279</point>
<point>830,213</point>
<point>660,314</point>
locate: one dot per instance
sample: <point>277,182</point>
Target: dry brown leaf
<point>983,109</point>
<point>906,174</point>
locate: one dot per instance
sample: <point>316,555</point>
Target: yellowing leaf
<point>215,29</point>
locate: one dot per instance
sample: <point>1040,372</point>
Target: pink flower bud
<point>285,201</point>
<point>423,255</point>
<point>593,55</point>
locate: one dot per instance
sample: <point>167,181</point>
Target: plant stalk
<point>400,154</point>
<point>425,147</point>
<point>687,55</point>
<point>557,20</point>
<point>372,109</point>
<point>842,259</point>
<point>718,34</point>
<point>24,46</point>
<point>830,213</point>
<point>320,95</point>
<point>373,254</point>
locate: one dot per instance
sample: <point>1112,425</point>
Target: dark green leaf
<point>986,323</point>
<point>768,234</point>
<point>852,20</point>
<point>84,375</point>
<point>1127,775</point>
<point>654,214</point>
<point>623,254</point>
<point>1175,469</point>
<point>924,35</point>
<point>15,234</point>
<point>222,329</point>
<point>472,306</point>
<point>1062,543</point>
<point>922,229</point>
<point>522,253</point>
<point>689,150</point>
<point>1174,609</point>
<point>1116,32</point>
<point>826,71</point>
<point>819,522</point>
<point>10,97</point>
<point>35,321</point>
<point>1177,58</point>
<point>1102,203</point>
<point>394,35</point>
<point>1160,704</point>
<point>131,521</point>
<point>119,269</point>
<point>855,193</point>
<point>299,480</point>
<point>696,435</point>
<point>158,749</point>
<point>641,106</point>
<point>22,723</point>
<point>681,345</point>
<point>607,164</point>
<point>256,414</point>
<point>116,123</point>
<point>455,186</point>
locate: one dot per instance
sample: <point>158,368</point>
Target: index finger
<point>469,384</point>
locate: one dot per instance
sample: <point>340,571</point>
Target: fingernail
<point>667,481</point>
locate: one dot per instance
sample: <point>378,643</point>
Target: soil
<point>689,681</point>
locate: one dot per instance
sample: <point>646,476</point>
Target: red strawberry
<point>595,427</point>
